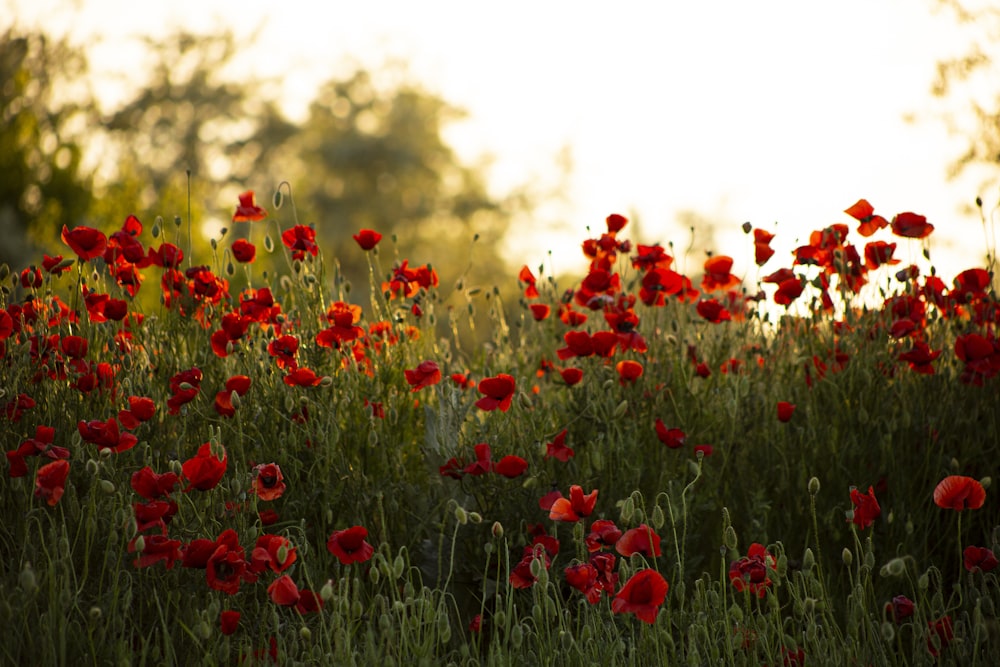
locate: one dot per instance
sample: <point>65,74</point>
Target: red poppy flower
<point>583,577</point>
<point>349,545</point>
<point>615,223</point>
<point>628,371</point>
<point>50,481</point>
<point>866,508</point>
<point>106,435</point>
<point>154,549</point>
<point>140,409</point>
<point>521,576</point>
<point>283,349</point>
<point>300,239</point>
<point>476,624</point>
<point>268,517</point>
<point>788,291</point>
<point>979,559</point>
<point>497,393</point>
<point>639,540</point>
<point>248,211</point>
<point>603,534</point>
<point>641,595</point>
<point>674,438</point>
<point>713,311</point>
<point>920,358</point>
<point>911,225</point>
<point>426,373</point>
<point>302,377</point>
<point>528,278</point>
<point>879,253</point>
<point>268,482</point>
<point>958,493</point>
<point>575,507</point>
<point>184,387</point>
<point>864,213</point>
<point>571,375</point>
<point>762,246</point>
<point>243,251</point>
<point>704,450</point>
<point>56,265</point>
<point>229,620</point>
<point>31,278</point>
<point>272,552</point>
<point>205,469</point>
<point>940,635</point>
<point>309,602</point>
<point>154,513</point>
<point>152,485</point>
<point>751,573</point>
<point>900,608</point>
<point>785,411</point>
<point>226,567</point>
<point>511,466</point>
<point>483,463</point>
<point>557,449</point>
<point>86,242</point>
<point>717,274</point>
<point>367,238</point>
<point>540,311</point>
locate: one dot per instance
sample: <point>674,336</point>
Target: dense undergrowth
<point>639,468</point>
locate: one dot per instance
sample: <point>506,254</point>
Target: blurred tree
<point>374,157</point>
<point>973,74</point>
<point>42,183</point>
<point>186,116</point>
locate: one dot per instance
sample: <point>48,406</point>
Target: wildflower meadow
<point>649,466</point>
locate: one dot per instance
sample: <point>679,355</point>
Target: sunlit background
<point>674,113</point>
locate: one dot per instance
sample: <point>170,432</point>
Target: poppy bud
<point>621,409</point>
<point>847,556</point>
<point>808,560</point>
<point>461,516</point>
<point>268,243</point>
<point>107,486</point>
<point>628,509</point>
<point>475,517</point>
<point>177,221</point>
<point>27,579</point>
<point>95,614</point>
<point>305,633</point>
<point>326,592</point>
<point>985,482</point>
<point>729,538</point>
<point>276,199</point>
<point>536,567</point>
<point>658,518</point>
<point>888,632</point>
<point>139,545</point>
<point>497,529</point>
<point>92,466</point>
<point>398,565</point>
<point>813,486</point>
<point>923,582</point>
<point>374,575</point>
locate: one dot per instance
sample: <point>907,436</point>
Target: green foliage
<point>361,447</point>
<point>43,185</point>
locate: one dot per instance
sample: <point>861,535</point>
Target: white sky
<point>772,110</point>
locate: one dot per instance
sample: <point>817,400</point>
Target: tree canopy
<point>368,155</point>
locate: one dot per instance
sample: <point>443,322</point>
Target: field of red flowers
<point>643,467</point>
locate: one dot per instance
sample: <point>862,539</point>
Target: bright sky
<point>764,111</point>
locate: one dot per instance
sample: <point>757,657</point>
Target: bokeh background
<point>522,122</point>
